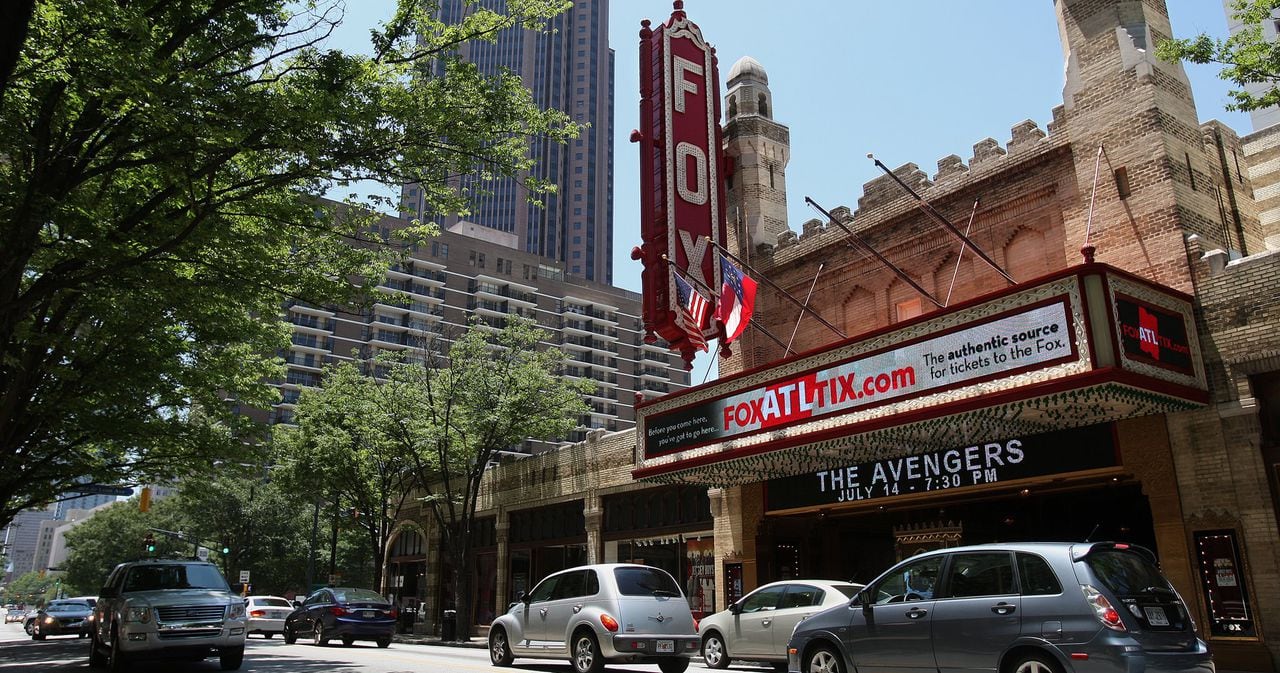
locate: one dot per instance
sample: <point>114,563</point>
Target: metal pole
<point>807,297</point>
<point>853,236</point>
<point>775,286</point>
<point>932,212</point>
<point>1087,249</point>
<point>955,274</point>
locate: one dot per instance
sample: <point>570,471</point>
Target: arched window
<point>762,102</point>
<point>733,107</point>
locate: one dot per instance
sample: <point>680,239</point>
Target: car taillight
<point>695,624</point>
<point>337,611</point>
<point>393,613</point>
<point>257,613</point>
<point>609,623</point>
<point>1102,608</point>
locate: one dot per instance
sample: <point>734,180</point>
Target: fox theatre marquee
<point>952,398</point>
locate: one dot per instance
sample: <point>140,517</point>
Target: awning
<point>1088,345</point>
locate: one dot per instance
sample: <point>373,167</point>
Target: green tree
<point>495,389</point>
<point>32,587</point>
<point>342,452</point>
<point>1247,57</point>
<point>157,190</point>
<point>114,535</point>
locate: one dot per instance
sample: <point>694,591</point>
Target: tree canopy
<point>437,423</point>
<point>1247,56</point>
<point>157,204</point>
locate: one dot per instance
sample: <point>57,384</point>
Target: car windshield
<point>357,595</point>
<point>272,602</point>
<point>1126,573</point>
<point>66,607</point>
<point>634,581</point>
<point>151,578</point>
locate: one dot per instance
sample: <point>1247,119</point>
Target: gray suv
<point>167,609</point>
<point>1009,608</point>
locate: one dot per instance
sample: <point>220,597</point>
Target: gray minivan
<point>1009,608</point>
<point>598,614</point>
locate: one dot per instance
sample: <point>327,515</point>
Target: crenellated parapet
<point>883,198</point>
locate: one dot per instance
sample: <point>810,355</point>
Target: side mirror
<point>523,598</point>
<point>735,608</point>
<point>864,599</point>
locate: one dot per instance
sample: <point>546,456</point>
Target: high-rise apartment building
<point>568,68</point>
<point>470,271</point>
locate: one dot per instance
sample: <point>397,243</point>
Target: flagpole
<point>703,285</point>
<point>807,297</point>
<point>853,236</point>
<point>937,217</point>
<point>775,286</point>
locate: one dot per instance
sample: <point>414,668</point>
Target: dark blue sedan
<point>337,613</point>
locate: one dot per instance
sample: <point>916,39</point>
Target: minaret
<point>756,194</point>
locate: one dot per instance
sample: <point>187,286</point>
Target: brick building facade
<point>1189,466</point>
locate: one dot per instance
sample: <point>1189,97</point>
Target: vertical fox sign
<point>681,174</point>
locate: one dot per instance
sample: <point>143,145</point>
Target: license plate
<point>369,614</point>
<point>1156,616</point>
<point>666,646</point>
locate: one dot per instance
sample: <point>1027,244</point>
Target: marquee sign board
<point>681,172</point>
<point>1079,347</point>
<point>1000,461</point>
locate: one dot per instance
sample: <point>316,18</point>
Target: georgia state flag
<point>737,300</point>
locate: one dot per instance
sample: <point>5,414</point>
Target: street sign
<point>102,489</point>
<point>244,576</point>
<point>202,553</point>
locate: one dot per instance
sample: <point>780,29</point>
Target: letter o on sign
<point>697,196</point>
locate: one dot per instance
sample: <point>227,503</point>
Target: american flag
<point>693,311</point>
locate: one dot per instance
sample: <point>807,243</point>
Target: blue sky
<point>908,81</point>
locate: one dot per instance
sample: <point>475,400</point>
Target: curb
<point>411,639</point>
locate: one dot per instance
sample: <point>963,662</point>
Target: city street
<point>20,654</point>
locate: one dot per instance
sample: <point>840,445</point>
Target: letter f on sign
<point>684,86</point>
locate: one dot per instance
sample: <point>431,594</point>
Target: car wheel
<point>318,637</point>
<point>116,659</point>
<point>347,640</point>
<point>289,636</point>
<point>586,653</point>
<point>714,652</point>
<point>384,642</point>
<point>28,626</point>
<point>230,658</point>
<point>96,658</point>
<point>499,649</point>
<point>1035,663</point>
<point>673,665</point>
<point>36,633</point>
<point>823,660</point>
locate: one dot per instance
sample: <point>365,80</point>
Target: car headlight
<point>235,611</point>
<point>49,620</point>
<point>141,615</point>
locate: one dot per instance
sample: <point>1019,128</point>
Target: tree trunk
<point>462,580</point>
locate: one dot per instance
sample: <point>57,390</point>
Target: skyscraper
<point>569,68</point>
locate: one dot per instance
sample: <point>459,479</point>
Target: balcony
<point>310,341</point>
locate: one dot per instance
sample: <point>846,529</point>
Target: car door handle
<point>765,622</point>
<point>916,613</point>
<point>1003,608</point>
<point>577,608</point>
<point>542,611</point>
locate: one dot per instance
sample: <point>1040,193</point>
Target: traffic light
<point>226,545</point>
<point>150,543</point>
<point>144,499</point>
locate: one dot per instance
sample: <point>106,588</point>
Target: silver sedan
<point>757,627</point>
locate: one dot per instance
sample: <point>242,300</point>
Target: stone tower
<point>1155,183</point>
<point>760,148</point>
<point>756,192</point>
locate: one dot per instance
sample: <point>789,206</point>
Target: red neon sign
<point>682,170</point>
